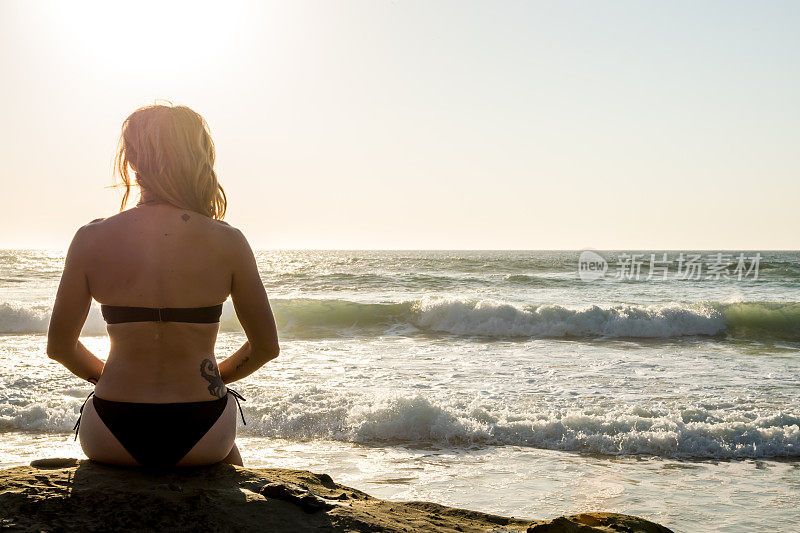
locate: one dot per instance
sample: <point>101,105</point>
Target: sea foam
<point>310,318</point>
<point>622,430</point>
<point>314,413</point>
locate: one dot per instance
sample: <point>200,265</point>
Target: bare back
<point>159,256</point>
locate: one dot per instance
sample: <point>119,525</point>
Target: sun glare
<point>146,41</point>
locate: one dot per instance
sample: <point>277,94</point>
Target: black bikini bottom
<point>158,435</point>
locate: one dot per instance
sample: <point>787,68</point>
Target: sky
<point>421,124</point>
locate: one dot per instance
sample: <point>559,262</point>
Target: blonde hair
<point>171,151</point>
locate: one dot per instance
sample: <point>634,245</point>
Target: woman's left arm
<point>69,314</point>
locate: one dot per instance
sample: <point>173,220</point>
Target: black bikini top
<point>115,314</point>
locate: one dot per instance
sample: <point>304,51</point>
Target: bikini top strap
<point>80,414</point>
<point>237,397</point>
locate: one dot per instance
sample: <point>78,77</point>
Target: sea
<point>659,383</point>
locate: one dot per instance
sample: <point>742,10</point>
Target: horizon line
<point>300,249</point>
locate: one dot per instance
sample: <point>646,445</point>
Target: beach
<point>494,381</point>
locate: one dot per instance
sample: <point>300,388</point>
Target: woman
<point>161,271</point>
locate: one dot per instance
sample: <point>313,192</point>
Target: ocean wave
<point>23,320</point>
<point>311,318</point>
<point>317,414</point>
<point>48,416</point>
<point>35,320</point>
<point>505,320</point>
<point>756,320</point>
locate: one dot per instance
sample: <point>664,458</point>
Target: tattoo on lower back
<point>185,217</point>
<point>211,374</point>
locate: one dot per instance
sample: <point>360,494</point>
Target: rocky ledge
<point>71,495</point>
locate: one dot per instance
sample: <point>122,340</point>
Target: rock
<point>54,462</point>
<point>294,494</point>
<point>596,522</point>
<point>325,479</point>
<point>71,495</point>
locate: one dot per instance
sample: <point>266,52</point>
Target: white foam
<point>49,416</point>
<point>312,318</point>
<point>505,320</point>
<point>23,320</point>
<point>314,414</point>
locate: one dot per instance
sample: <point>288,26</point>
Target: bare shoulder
<point>81,244</point>
<point>232,234</point>
<point>225,229</point>
<point>91,229</point>
<point>235,243</point>
<point>92,232</point>
<point>105,222</point>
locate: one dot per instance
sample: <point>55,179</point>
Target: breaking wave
<point>315,318</point>
<point>756,320</point>
<point>314,413</point>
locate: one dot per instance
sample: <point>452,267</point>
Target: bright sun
<point>145,39</point>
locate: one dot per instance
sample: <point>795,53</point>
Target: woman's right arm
<point>252,308</point>
<point>70,309</point>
